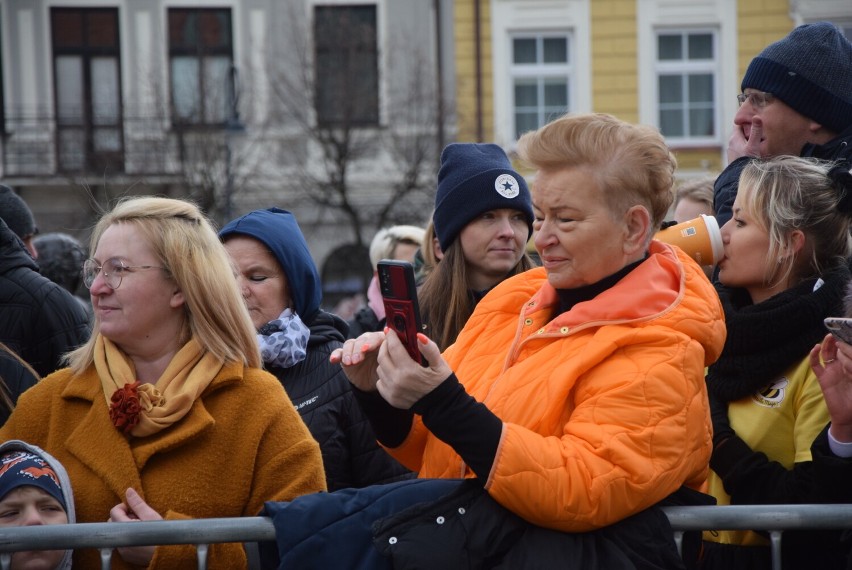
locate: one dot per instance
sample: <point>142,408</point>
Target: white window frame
<point>684,67</point>
<point>522,18</point>
<point>540,71</point>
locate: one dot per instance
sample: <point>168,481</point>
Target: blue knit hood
<point>279,231</point>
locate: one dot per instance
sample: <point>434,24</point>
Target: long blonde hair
<point>788,193</point>
<point>185,243</point>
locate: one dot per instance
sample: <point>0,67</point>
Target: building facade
<point>337,109</point>
<point>334,109</point>
<point>674,64</point>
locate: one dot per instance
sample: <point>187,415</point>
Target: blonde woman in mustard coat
<point>165,413</point>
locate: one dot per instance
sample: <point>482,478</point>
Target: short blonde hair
<point>385,241</point>
<point>698,190</point>
<point>631,163</point>
<point>185,243</point>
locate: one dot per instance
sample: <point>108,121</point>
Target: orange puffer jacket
<point>604,407</point>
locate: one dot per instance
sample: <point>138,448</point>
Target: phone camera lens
<point>399,323</point>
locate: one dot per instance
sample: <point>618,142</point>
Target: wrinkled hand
<point>831,361</point>
<point>134,509</point>
<point>402,380</point>
<point>739,146</point>
<point>722,430</point>
<point>359,358</point>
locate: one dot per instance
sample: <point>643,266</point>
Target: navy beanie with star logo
<point>475,178</point>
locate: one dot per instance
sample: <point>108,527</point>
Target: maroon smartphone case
<point>399,293</point>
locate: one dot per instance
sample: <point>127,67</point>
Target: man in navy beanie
<point>796,99</point>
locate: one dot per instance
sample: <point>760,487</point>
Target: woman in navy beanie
<point>483,219</point>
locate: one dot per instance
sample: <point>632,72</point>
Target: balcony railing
<point>39,146</point>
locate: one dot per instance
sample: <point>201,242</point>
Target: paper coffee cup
<point>699,238</point>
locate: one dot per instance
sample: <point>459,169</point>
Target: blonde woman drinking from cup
<point>784,270</point>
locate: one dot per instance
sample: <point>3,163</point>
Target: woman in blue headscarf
<point>281,287</point>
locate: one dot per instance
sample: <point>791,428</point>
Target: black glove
<point>721,425</point>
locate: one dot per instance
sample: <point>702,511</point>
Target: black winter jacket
<point>16,378</point>
<point>725,187</point>
<point>454,524</point>
<point>365,320</point>
<point>323,396</point>
<point>40,320</point>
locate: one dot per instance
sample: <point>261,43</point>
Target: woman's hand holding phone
<point>401,363</point>
<point>403,381</point>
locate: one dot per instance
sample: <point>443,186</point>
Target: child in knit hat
<point>483,219</point>
<point>34,490</point>
<point>796,100</point>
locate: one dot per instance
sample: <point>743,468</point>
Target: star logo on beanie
<point>507,186</point>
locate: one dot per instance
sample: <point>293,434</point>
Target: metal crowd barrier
<point>108,536</point>
<point>772,518</point>
<point>202,532</point>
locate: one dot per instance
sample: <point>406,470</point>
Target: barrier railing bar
<point>762,517</point>
<point>142,533</point>
<point>204,532</point>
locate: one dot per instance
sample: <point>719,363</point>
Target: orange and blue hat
<point>20,468</point>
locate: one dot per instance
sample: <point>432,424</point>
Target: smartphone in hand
<point>840,327</point>
<point>399,294</point>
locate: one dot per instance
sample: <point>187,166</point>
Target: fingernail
<point>386,329</point>
<point>365,348</point>
<point>422,338</point>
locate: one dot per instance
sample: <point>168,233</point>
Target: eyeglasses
<point>758,99</point>
<point>113,271</point>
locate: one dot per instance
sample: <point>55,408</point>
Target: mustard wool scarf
<point>141,409</point>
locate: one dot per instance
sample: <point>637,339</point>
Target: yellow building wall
<point>613,63</point>
<point>759,23</point>
<point>474,114</point>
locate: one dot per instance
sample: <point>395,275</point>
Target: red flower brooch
<point>124,407</point>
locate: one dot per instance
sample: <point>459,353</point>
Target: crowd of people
<point>559,402</point>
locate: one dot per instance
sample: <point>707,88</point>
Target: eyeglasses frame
<point>109,276</point>
<point>758,99</point>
